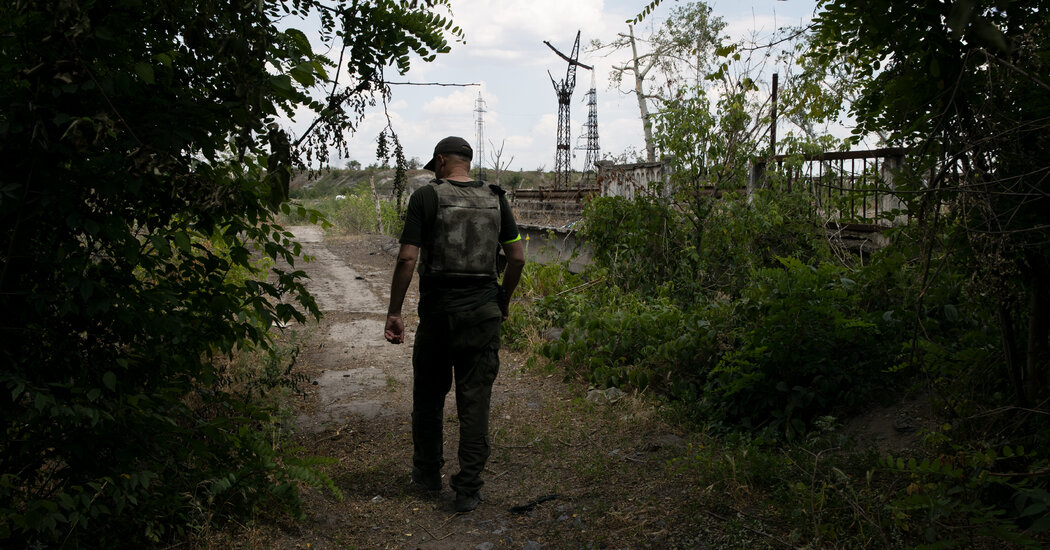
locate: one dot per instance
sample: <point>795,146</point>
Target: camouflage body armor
<point>465,240</point>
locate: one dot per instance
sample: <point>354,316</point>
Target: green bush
<point>645,244</point>
<point>973,496</point>
<point>743,234</point>
<point>146,168</point>
<point>796,346</point>
<point>739,329</point>
<point>352,215</point>
<point>616,338</point>
<point>641,244</point>
<point>804,348</point>
<point>545,295</point>
<point>89,453</point>
<point>615,343</point>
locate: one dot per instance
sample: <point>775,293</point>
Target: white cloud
<point>504,51</point>
<point>490,24</point>
<point>516,55</point>
<point>546,126</point>
<point>458,103</point>
<point>520,142</point>
<point>621,134</point>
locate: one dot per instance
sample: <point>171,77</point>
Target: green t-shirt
<point>442,294</point>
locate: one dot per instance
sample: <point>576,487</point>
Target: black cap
<point>451,144</point>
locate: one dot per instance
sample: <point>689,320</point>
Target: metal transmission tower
<point>479,131</point>
<point>590,130</point>
<point>563,155</point>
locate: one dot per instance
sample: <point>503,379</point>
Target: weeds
<point>349,214</point>
<point>763,340</point>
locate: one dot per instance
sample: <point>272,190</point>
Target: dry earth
<point>569,468</point>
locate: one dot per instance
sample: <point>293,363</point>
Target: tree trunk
<point>639,92</point>
<point>379,209</point>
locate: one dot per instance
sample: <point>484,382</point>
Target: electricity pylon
<point>479,135</point>
<point>563,154</point>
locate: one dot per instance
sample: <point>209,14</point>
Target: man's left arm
<point>515,263</point>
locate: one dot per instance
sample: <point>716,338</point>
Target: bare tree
<point>495,155</point>
<point>678,50</point>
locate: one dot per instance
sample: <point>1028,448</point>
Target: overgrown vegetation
<point>146,169</point>
<point>350,214</point>
<point>735,311</point>
<point>782,346</point>
<point>754,329</point>
<point>143,293</point>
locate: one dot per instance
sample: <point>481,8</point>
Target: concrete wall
<point>633,180</point>
<point>549,240</point>
<point>545,245</point>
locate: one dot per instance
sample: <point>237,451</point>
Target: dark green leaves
<point>161,246</point>
<point>303,73</point>
<point>145,72</point>
<point>139,251</point>
<point>644,13</point>
<point>109,380</point>
<point>182,241</point>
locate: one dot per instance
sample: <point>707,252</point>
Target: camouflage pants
<point>463,346</point>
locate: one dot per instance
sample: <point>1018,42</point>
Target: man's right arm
<point>515,263</point>
<point>406,264</point>
<point>422,206</point>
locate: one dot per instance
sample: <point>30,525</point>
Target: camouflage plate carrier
<point>465,240</point>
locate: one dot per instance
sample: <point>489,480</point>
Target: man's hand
<point>395,329</point>
<point>504,303</point>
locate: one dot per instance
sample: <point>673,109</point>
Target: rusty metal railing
<point>850,187</point>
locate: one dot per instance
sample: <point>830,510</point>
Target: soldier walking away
<point>454,229</point>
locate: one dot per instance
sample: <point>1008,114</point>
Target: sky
<point>504,53</point>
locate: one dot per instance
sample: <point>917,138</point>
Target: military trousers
<point>461,347</point>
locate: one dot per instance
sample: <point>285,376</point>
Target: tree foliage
<point>750,330</point>
<point>965,85</point>
<point>675,54</point>
<point>145,167</point>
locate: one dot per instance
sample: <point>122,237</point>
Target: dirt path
<point>356,368</point>
<point>569,468</point>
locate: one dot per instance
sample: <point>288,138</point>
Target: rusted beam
<point>858,227</point>
<point>566,58</point>
<point>848,155</point>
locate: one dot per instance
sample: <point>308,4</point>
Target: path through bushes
<point>571,467</point>
<point>566,470</point>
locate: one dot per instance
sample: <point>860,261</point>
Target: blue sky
<point>505,54</point>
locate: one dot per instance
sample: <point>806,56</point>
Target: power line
<point>428,84</point>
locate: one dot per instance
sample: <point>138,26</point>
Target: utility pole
<point>563,155</point>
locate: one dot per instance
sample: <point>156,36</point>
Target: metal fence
<point>853,188</point>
